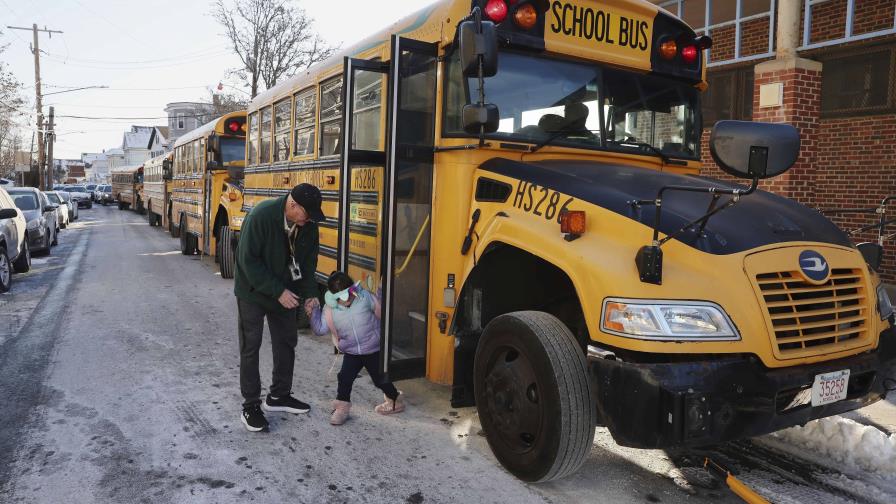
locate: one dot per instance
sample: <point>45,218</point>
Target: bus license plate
<point>830,387</point>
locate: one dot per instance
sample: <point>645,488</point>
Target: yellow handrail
<point>413,248</point>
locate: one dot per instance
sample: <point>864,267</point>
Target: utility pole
<point>51,139</point>
<point>35,49</point>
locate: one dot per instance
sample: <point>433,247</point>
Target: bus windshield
<point>232,149</point>
<point>542,100</point>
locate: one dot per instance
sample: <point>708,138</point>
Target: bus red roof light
<point>525,16</point>
<point>496,10</point>
<point>689,54</point>
<point>233,126</point>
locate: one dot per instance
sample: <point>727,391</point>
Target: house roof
<point>137,138</point>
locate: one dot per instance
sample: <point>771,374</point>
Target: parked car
<point>70,203</point>
<point>14,252</point>
<point>80,194</point>
<point>107,195</point>
<point>91,190</point>
<point>41,217</point>
<point>62,216</point>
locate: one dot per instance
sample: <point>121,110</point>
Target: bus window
<point>366,111</point>
<point>264,146</point>
<point>306,103</point>
<point>198,158</point>
<point>232,149</point>
<point>330,117</point>
<point>281,130</point>
<point>252,139</point>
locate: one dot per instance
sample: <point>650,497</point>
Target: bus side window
<point>252,140</point>
<point>306,106</point>
<point>281,129</point>
<point>264,148</point>
<point>330,117</point>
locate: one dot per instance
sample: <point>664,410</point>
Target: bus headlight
<point>662,320</point>
<point>884,306</point>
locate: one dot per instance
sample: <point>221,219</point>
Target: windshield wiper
<point>557,134</point>
<point>644,145</point>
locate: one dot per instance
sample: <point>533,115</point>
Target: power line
<point>200,53</point>
<point>94,118</point>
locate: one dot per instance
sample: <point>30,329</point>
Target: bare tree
<point>11,112</point>
<point>274,39</point>
<point>225,103</point>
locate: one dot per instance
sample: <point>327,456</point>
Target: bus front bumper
<point>699,403</point>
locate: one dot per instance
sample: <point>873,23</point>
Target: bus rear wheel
<point>187,240</point>
<point>225,252</point>
<point>533,395</point>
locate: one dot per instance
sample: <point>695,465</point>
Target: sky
<point>148,54</point>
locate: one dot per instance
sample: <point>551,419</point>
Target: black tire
<point>226,252</point>
<point>120,205</point>
<point>22,263</point>
<point>138,207</point>
<point>187,240</point>
<point>5,271</point>
<point>150,218</point>
<point>533,395</point>
<point>90,205</point>
<point>55,237</point>
<point>174,230</point>
<point>47,243</point>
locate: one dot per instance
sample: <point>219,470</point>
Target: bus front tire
<point>174,230</point>
<point>533,396</point>
<point>225,252</point>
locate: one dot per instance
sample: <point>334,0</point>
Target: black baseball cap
<point>309,197</point>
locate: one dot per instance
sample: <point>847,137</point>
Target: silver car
<point>14,251</point>
<point>42,224</point>
<point>72,205</point>
<point>62,214</point>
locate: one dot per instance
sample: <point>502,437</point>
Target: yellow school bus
<point>206,191</point>
<point>156,174</point>
<point>521,180</point>
<point>127,187</point>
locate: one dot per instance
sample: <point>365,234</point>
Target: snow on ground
<point>864,455</point>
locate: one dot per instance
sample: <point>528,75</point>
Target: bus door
<point>206,211</point>
<point>362,146</point>
<point>407,213</point>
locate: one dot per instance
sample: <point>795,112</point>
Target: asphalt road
<point>119,366</point>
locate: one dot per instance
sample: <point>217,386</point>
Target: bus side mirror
<point>480,117</point>
<point>166,170</point>
<point>753,150</point>
<point>212,165</point>
<point>873,254</point>
<point>213,143</point>
<point>474,44</point>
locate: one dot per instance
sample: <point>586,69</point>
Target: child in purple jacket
<point>351,316</point>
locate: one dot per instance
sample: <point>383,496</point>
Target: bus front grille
<point>810,319</point>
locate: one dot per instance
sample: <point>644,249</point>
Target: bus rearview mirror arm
<point>479,56</point>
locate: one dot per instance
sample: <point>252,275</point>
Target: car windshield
<point>107,188</point>
<point>64,196</point>
<point>25,200</point>
<point>78,189</point>
<point>53,197</point>
<point>542,100</point>
<point>91,187</point>
<point>233,149</point>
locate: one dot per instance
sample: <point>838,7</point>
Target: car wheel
<point>55,237</point>
<point>23,262</point>
<point>533,395</point>
<point>225,252</point>
<point>5,270</point>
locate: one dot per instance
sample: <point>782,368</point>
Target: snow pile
<point>842,442</point>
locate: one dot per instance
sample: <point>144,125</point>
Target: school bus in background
<point>156,174</point>
<point>553,255</point>
<point>127,187</point>
<point>206,191</point>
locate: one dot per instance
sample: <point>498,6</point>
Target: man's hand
<point>288,299</point>
<point>311,304</point>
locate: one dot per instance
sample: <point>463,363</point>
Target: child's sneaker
<point>340,412</point>
<point>389,406</point>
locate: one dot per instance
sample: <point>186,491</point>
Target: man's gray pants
<point>282,325</point>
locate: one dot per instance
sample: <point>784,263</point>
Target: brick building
<point>829,68</point>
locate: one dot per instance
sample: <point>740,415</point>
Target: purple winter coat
<point>357,327</point>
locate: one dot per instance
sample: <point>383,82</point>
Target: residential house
<point>186,116</point>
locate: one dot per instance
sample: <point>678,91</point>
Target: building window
<point>180,121</point>
<point>330,117</point>
<point>306,106</point>
<point>729,96</point>
<point>858,82</point>
<point>282,112</point>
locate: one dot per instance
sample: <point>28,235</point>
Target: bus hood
<point>759,219</point>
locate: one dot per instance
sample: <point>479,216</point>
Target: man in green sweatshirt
<point>276,261</point>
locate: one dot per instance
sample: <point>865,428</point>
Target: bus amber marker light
<point>668,49</point>
<point>572,224</point>
<point>525,16</point>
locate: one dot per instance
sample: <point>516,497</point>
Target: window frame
<point>828,57</point>
<point>739,75</point>
<point>261,133</point>
<point>337,119</point>
<point>287,131</point>
<point>313,91</point>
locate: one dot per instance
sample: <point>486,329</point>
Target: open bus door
<point>387,193</point>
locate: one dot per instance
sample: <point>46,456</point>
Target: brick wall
<point>845,162</point>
